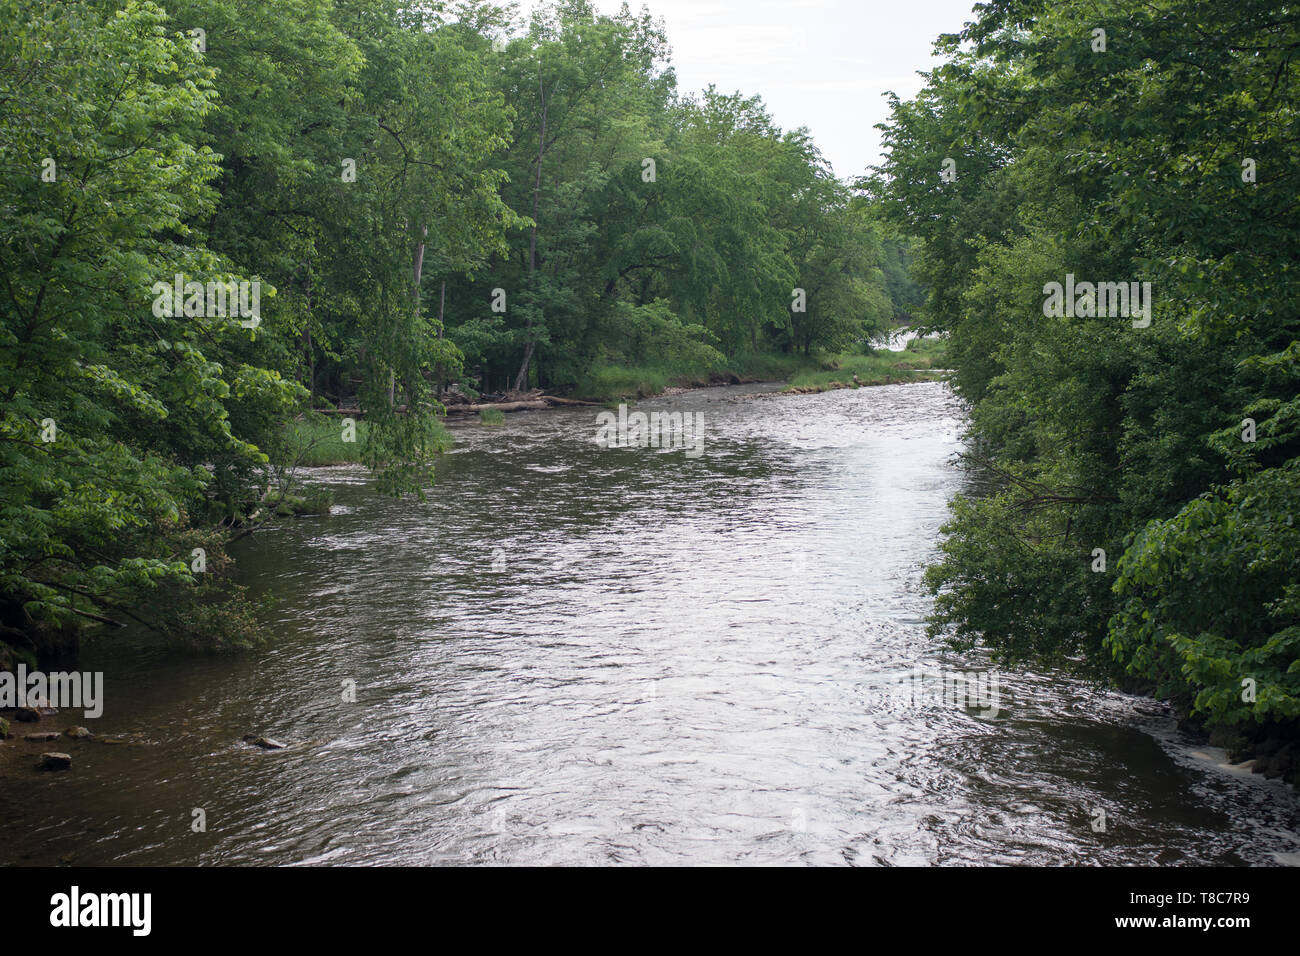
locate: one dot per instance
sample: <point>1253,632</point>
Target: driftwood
<point>519,402</point>
<point>556,400</point>
<point>499,406</point>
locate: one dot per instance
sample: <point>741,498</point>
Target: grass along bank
<point>316,440</point>
<point>921,361</point>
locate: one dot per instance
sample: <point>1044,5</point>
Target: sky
<point>824,64</point>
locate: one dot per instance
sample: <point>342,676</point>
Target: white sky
<point>823,64</point>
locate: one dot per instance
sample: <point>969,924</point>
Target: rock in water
<point>28,715</point>
<point>54,761</point>
<point>77,733</point>
<point>41,738</point>
<point>264,742</point>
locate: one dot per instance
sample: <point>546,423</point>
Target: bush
<point>1211,601</point>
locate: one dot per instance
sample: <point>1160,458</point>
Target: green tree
<point>110,411</point>
<point>1160,158</point>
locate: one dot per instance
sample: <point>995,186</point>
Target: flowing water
<point>577,654</point>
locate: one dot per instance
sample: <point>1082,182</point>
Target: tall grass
<point>607,383</point>
<point>316,439</point>
<point>612,383</point>
<point>769,367</point>
<point>881,368</point>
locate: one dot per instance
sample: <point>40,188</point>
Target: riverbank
<point>23,743</point>
<point>920,360</point>
<point>520,696</point>
<point>1268,750</point>
<point>317,440</point>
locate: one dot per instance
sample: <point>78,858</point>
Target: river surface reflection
<point>576,654</point>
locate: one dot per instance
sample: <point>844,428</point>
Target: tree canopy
<point>1143,476</point>
<point>219,214</point>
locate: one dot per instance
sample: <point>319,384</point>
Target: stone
<point>54,761</point>
<point>28,715</point>
<point>1269,746</point>
<point>42,706</point>
<point>264,742</point>
<point>41,738</point>
<point>77,733</point>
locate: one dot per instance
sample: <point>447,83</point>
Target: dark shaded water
<point>575,654</point>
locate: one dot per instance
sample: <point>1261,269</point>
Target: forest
<point>1143,477</point>
<point>221,218</point>
<point>415,200</point>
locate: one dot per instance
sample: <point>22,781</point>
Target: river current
<point>575,654</point>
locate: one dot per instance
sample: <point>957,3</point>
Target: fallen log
<point>531,403</point>
<point>499,406</point>
<point>556,400</point>
<point>353,412</point>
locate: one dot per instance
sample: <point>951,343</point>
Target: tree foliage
<point>378,170</point>
<point>1161,158</point>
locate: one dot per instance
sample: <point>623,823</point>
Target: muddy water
<point>577,654</point>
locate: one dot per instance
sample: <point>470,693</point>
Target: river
<point>581,655</point>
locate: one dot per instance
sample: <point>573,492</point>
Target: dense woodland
<point>1168,157</point>
<point>438,197</point>
<point>428,195</point>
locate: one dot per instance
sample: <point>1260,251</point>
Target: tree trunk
<point>521,380</point>
<point>311,351</point>
<point>442,305</point>
<point>417,267</point>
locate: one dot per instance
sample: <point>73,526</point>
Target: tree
<point>110,408</point>
<point>1135,524</point>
